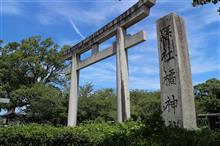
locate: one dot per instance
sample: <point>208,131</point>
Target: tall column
<point>123,96</point>
<point>177,100</point>
<point>73,95</point>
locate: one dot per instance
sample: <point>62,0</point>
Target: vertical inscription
<point>177,101</point>
<point>166,43</point>
<point>170,103</point>
<point>169,78</point>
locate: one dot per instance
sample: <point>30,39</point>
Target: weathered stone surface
<point>97,55</point>
<point>123,95</point>
<point>130,41</point>
<point>134,14</point>
<point>74,87</point>
<point>175,73</point>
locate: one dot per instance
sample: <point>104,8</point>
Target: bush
<point>125,134</point>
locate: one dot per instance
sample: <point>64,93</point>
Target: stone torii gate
<point>177,101</point>
<point>117,28</point>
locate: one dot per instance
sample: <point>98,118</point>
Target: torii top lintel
<point>133,15</point>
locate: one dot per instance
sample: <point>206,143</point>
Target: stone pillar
<point>73,97</point>
<point>95,49</point>
<point>123,96</point>
<point>177,99</point>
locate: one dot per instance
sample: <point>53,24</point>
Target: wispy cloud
<point>102,74</point>
<point>76,28</point>
<point>12,8</point>
<point>145,82</point>
<point>96,13</point>
<point>143,59</point>
<point>46,19</point>
<point>201,26</point>
<point>70,42</point>
<point>208,66</point>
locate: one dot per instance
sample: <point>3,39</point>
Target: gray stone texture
<point>73,97</point>
<point>177,100</point>
<point>123,95</point>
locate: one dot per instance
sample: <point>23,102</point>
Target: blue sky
<point>69,21</point>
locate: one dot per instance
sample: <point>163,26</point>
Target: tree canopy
<point>31,77</point>
<point>208,96</point>
<point>203,2</point>
<point>29,71</point>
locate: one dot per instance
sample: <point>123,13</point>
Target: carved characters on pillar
<point>167,54</point>
<point>170,77</point>
<point>174,123</point>
<point>170,102</point>
<point>166,44</point>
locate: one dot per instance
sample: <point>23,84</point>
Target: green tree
<point>99,105</point>
<point>144,104</point>
<point>208,96</point>
<point>46,104</point>
<point>202,2</point>
<point>28,70</point>
<point>86,90</point>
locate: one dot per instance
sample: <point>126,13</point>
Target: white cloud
<point>101,72</point>
<point>149,83</point>
<point>136,57</point>
<point>76,29</point>
<point>45,19</point>
<point>63,41</point>
<point>204,64</point>
<point>143,60</point>
<point>97,15</point>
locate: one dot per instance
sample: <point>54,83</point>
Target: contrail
<point>76,29</point>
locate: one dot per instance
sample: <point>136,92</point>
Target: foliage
<point>101,105</point>
<point>126,134</point>
<point>208,96</point>
<point>47,105</point>
<point>202,2</point>
<point>144,104</point>
<point>30,75</point>
<point>26,68</point>
<point>86,90</point>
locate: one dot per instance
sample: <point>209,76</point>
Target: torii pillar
<point>123,95</point>
<point>74,91</point>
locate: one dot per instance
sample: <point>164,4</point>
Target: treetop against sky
<point>70,21</point>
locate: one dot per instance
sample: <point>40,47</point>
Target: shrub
<point>111,134</point>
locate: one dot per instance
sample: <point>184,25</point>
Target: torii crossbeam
<point>116,27</point>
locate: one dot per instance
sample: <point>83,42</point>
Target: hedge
<point>106,134</point>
